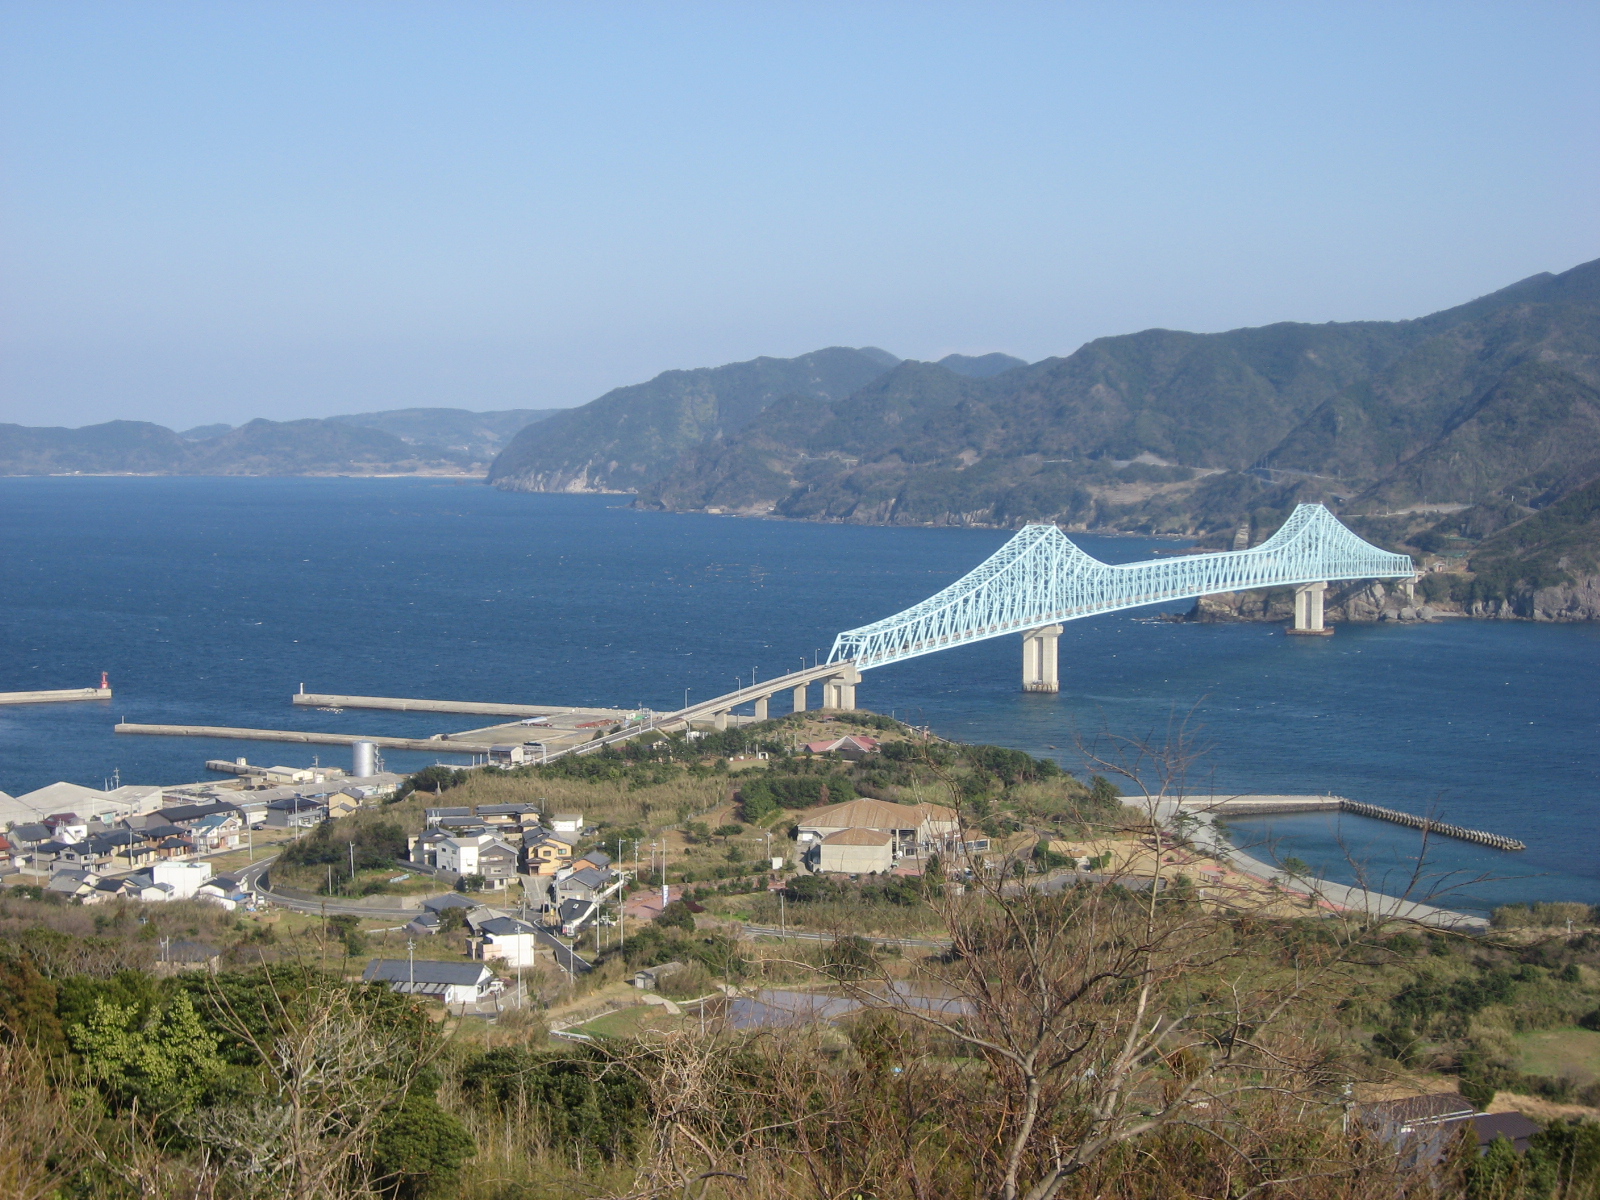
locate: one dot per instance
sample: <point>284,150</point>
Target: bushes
<point>1544,915</point>
<point>760,797</point>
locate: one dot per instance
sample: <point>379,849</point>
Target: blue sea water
<point>210,601</point>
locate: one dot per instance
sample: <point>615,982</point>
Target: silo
<point>365,752</point>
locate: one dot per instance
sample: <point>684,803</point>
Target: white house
<point>470,854</point>
<point>185,878</point>
<point>512,941</point>
<point>452,982</point>
<point>566,823</point>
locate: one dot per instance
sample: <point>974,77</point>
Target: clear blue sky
<point>221,210</point>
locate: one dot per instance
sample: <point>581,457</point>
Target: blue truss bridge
<point>1039,579</point>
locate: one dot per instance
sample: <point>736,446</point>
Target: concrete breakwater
<point>1494,840</point>
<point>1250,806</point>
<point>438,744</point>
<point>55,697</point>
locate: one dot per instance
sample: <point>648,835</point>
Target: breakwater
<point>1252,806</point>
<point>1426,825</point>
<point>57,696</point>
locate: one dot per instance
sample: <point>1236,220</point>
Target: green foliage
<point>164,1063</point>
<point>1542,915</point>
<point>850,957</point>
<point>420,1148</point>
<point>377,844</point>
<point>587,1104</point>
<point>28,1005</point>
<point>1564,1160</point>
<point>761,795</point>
<point>1009,766</point>
<point>676,916</point>
<point>1497,1174</point>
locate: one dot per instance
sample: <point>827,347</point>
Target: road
<point>806,935</point>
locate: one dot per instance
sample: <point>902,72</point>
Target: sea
<point>212,600</point>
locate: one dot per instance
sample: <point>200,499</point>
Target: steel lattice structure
<point>1040,578</point>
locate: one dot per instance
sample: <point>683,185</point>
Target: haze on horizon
<point>218,212</point>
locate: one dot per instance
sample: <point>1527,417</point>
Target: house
<point>189,956</point>
<point>508,939</point>
<point>184,878</point>
<point>422,924</point>
<point>916,828</point>
<point>595,858</point>
<point>567,822</point>
<point>574,915</point>
<point>545,852</point>
<point>438,904</point>
<point>452,982</point>
<point>67,827</point>
<point>424,849</point>
<point>295,813</point>
<point>448,816</point>
<point>853,852</point>
<point>46,854</point>
<point>27,836</point>
<point>189,815</point>
<point>119,850</point>
<point>1426,1126</point>
<point>650,978</point>
<point>5,853</point>
<point>854,747</point>
<point>515,755</point>
<point>481,854</point>
<point>73,883</point>
<point>589,884</point>
<point>497,863</point>
<point>341,804</point>
<point>219,831</point>
<point>505,815</point>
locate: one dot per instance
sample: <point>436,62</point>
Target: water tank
<point>365,754</point>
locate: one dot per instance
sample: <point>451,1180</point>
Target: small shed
<point>650,978</point>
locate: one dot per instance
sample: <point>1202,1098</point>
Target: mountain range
<point>426,440</point>
<point>1442,434</point>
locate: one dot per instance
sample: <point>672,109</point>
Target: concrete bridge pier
<point>1308,610</point>
<point>800,698</point>
<point>761,708</point>
<point>719,720</point>
<point>1040,659</point>
<point>839,691</point>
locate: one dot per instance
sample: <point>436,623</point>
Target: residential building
<point>448,816</point>
<point>472,855</point>
<point>424,849</point>
<point>567,822</point>
<point>545,852</point>
<point>219,831</point>
<point>573,916</point>
<point>854,852</point>
<point>589,884</point>
<point>452,982</point>
<point>295,813</point>
<point>73,883</point>
<point>514,942</point>
<point>916,828</point>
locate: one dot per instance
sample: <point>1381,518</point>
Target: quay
<point>484,708</point>
<point>439,743</point>
<point>1242,806</point>
<point>56,697</point>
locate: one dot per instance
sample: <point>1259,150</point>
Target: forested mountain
<point>481,435</point>
<point>1435,431</point>
<point>308,447</point>
<point>629,436</point>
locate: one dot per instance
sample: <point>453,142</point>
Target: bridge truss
<point>1040,578</point>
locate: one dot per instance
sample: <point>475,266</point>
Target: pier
<point>56,697</point>
<point>1250,806</point>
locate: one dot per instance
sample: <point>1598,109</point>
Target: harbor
<point>60,695</point>
<point>1254,806</point>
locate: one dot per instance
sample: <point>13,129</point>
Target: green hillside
<point>1491,410</point>
<point>627,437</point>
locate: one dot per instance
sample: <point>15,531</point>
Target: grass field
<point>1570,1053</point>
<point>625,1022</point>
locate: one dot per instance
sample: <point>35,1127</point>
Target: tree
<point>164,1065</point>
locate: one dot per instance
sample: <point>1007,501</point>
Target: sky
<point>226,210</point>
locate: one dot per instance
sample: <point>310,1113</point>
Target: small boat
<point>330,709</point>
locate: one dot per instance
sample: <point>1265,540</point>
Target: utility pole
<point>411,961</point>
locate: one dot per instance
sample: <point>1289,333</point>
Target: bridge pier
<point>800,698</point>
<point>720,720</point>
<point>839,691</point>
<point>761,708</point>
<point>1040,658</point>
<point>1308,610</point>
